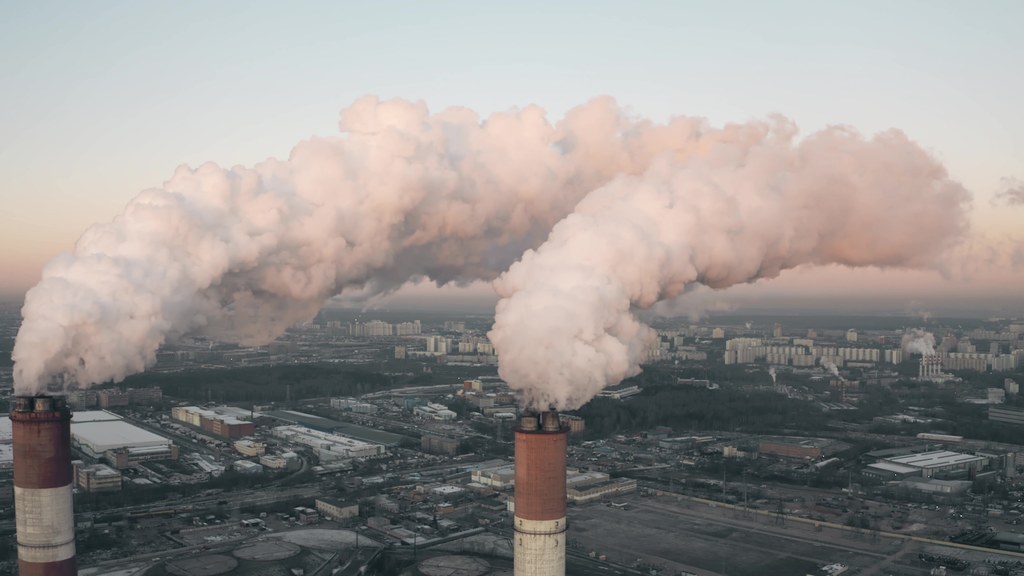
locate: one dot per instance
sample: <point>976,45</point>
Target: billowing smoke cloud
<point>240,254</point>
<point>614,213</point>
<point>918,341</point>
<point>744,203</point>
<point>771,372</point>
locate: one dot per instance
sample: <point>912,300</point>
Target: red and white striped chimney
<point>540,495</point>
<point>43,505</point>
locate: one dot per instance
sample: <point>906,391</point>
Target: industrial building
<point>96,477</point>
<point>83,399</point>
<point>250,448</point>
<point>500,477</point>
<point>434,411</point>
<point>328,446</point>
<point>222,421</point>
<point>6,450</point>
<point>941,464</point>
<point>246,467</point>
<point>353,405</point>
<point>336,509</point>
<point>889,472</point>
<point>103,435</point>
<point>435,444</point>
<point>286,461</point>
<point>581,494</point>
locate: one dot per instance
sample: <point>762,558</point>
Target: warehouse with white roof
<point>103,435</point>
<point>933,464</point>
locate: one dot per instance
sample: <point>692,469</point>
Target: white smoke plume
<point>771,372</point>
<point>916,308</point>
<point>742,203</point>
<point>241,254</point>
<point>633,212</point>
<point>918,341</point>
<point>832,368</point>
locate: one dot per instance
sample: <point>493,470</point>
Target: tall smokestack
<point>43,504</point>
<point>540,495</point>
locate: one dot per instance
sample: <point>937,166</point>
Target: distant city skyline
<point>104,100</point>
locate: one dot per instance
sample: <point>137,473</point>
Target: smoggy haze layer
<point>633,212</point>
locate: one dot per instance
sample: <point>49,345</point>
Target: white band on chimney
<point>45,522</point>
<point>540,547</point>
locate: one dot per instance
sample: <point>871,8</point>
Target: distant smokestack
<point>43,505</point>
<point>540,495</point>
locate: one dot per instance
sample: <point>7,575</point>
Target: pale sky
<point>100,100</point>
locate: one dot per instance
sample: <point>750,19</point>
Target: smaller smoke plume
<point>831,367</point>
<point>1012,193</point>
<point>748,325</point>
<point>771,372</point>
<point>918,341</point>
<point>916,308</point>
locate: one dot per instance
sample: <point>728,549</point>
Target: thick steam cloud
<point>605,213</point>
<point>742,203</point>
<point>918,341</point>
<point>240,254</point>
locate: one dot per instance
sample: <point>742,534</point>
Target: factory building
<point>250,448</point>
<point>434,411</point>
<point>286,461</point>
<point>97,477</point>
<point>575,424</point>
<point>336,509</point>
<point>941,464</point>
<point>222,421</point>
<point>353,405</point>
<point>6,449</point>
<point>329,446</point>
<point>246,467</point>
<point>103,435</point>
<point>604,489</point>
<point>435,444</point>
<point>930,369</point>
<point>889,472</point>
<point>500,478</point>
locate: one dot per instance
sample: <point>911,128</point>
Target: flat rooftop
<point>94,416</point>
<point>936,459</point>
<point>107,435</point>
<point>893,467</point>
<point>327,425</point>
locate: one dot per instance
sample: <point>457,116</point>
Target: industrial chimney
<point>540,495</point>
<point>43,506</point>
